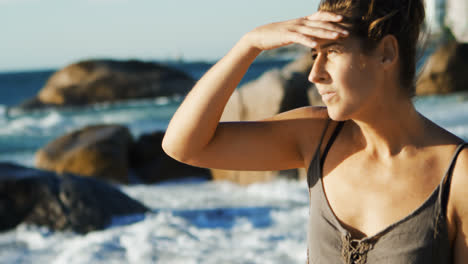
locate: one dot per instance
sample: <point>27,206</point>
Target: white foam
<point>3,116</point>
<point>33,124</point>
<point>162,100</point>
<point>52,120</point>
<point>49,124</point>
<point>167,236</point>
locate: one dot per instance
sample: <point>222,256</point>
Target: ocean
<point>192,221</point>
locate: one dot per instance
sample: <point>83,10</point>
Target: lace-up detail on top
<point>354,251</point>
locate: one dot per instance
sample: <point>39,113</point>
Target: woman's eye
<point>314,56</point>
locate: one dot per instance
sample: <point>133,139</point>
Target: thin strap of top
<point>317,153</point>
<point>444,194</point>
<point>323,135</point>
<point>330,142</point>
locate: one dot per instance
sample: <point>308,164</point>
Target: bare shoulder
<point>438,135</point>
<point>459,185</point>
<point>459,204</point>
<point>307,112</point>
<point>308,124</point>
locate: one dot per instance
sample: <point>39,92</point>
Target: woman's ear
<point>388,51</point>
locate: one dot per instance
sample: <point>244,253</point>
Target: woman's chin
<point>337,114</point>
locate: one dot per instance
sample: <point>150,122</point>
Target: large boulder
<point>96,81</point>
<point>446,71</point>
<point>151,164</point>
<point>100,151</point>
<point>64,202</point>
<point>109,152</point>
<point>276,91</point>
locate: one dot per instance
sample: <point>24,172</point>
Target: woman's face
<point>347,79</point>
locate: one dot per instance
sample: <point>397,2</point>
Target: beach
<point>190,220</point>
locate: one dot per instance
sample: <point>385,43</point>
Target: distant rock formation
<point>96,81</point>
<point>446,71</point>
<point>65,202</point>
<point>99,151</point>
<point>276,91</point>
<point>109,152</point>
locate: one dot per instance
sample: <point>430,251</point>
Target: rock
<point>65,202</point>
<point>152,164</point>
<point>109,152</point>
<point>274,92</point>
<point>96,81</point>
<point>446,71</point>
<point>95,151</point>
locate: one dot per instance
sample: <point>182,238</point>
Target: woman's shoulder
<point>310,122</point>
<point>309,125</point>
<point>318,113</point>
<point>306,123</point>
<point>458,202</point>
<point>438,135</point>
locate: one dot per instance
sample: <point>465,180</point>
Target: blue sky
<point>53,33</point>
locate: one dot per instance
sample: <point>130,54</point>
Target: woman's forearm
<point>194,124</point>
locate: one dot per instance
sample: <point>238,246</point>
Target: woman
<point>386,184</point>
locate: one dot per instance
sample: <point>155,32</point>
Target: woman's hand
<point>304,31</point>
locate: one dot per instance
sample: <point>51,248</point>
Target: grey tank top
<point>419,238</point>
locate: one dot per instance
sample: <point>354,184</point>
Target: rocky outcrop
<point>151,164</point>
<point>64,202</point>
<point>96,81</point>
<point>446,71</point>
<point>100,151</point>
<point>109,152</point>
<point>275,91</point>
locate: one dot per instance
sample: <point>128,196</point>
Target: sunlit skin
<point>387,159</point>
<point>343,76</point>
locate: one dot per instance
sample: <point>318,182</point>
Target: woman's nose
<point>318,74</point>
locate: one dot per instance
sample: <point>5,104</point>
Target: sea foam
<point>172,233</point>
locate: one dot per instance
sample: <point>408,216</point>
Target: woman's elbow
<point>174,149</point>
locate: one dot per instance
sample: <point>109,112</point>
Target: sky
<point>38,34</point>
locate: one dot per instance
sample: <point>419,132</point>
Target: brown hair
<point>371,20</point>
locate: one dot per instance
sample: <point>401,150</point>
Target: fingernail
<point>344,32</point>
<point>339,16</point>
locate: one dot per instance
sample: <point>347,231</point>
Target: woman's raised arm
<point>195,135</point>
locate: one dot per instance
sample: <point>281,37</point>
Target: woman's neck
<point>388,128</point>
